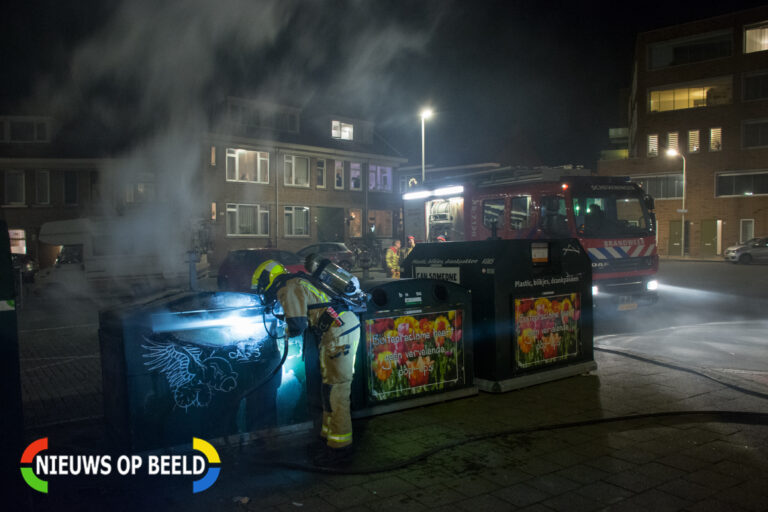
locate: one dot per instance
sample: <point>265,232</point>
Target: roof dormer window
<point>343,131</point>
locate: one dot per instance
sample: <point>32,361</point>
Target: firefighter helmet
<point>265,274</point>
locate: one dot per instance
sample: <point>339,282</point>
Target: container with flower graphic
<point>414,354</point>
<point>547,329</point>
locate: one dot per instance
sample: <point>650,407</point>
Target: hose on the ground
<point>682,369</point>
<point>745,417</point>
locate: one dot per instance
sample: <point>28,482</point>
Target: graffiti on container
<point>192,374</point>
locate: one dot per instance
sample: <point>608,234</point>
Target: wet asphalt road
<point>710,315</point>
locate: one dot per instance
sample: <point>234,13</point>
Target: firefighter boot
<point>334,457</point>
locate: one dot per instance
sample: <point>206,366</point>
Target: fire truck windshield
<point>610,214</point>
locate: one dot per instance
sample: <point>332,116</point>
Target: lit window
<point>296,221</point>
<point>247,220</point>
<point>320,173</point>
<point>653,145</point>
<point>715,139</point>
<point>296,172</point>
<point>380,178</point>
<point>344,131</point>
<point>338,175</point>
<point>213,156</point>
<point>42,187</point>
<point>14,187</point>
<point>18,241</point>
<point>756,38</point>
<point>249,166</point>
<point>380,223</point>
<point>355,176</point>
<point>693,141</point>
<point>672,140</point>
<point>355,222</point>
<point>713,92</point>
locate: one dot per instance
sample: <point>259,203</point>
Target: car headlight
<point>652,285</point>
<point>594,290</point>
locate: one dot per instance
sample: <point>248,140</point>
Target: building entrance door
<point>329,224</point>
<point>674,238</point>
<point>709,238</point>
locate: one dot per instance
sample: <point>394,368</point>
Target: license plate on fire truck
<point>627,303</point>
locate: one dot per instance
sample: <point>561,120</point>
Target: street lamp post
<point>674,152</point>
<point>425,114</point>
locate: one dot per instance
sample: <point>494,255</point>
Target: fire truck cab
<point>611,217</point>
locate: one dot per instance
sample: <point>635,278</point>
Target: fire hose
<point>742,417</point>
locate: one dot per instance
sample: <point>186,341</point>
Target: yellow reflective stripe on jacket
<point>314,291</point>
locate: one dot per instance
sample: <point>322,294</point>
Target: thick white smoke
<point>149,75</point>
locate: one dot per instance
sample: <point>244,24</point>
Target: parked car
<point>25,264</point>
<point>236,272</point>
<point>337,252</point>
<point>753,250</point>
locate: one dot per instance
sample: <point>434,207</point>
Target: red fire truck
<point>611,217</point>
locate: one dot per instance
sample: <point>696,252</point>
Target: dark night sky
<point>516,82</point>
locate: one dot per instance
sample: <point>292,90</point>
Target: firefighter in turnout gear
<point>307,306</point>
<point>393,260</point>
<point>410,243</point>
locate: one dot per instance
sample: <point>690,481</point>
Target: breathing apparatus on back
<point>338,283</point>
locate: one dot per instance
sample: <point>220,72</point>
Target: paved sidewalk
<point>668,463</point>
<point>693,258</point>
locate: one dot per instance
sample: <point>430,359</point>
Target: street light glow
<point>672,153</point>
<point>425,114</point>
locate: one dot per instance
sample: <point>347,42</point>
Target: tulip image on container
<point>526,340</point>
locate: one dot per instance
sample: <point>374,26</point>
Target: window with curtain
<point>296,171</point>
<point>248,166</point>
<point>296,220</point>
<point>247,220</point>
<point>756,38</point>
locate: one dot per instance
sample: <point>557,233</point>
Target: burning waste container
<point>531,303</point>
<point>416,346</point>
<point>198,364</point>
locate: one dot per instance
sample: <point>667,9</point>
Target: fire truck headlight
<point>652,285</point>
<point>594,290</point>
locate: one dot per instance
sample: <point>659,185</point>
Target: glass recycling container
<point>415,346</point>
<point>531,303</point>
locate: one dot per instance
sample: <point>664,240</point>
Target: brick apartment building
<point>41,181</point>
<point>268,176</point>
<point>702,88</point>
<point>277,177</point>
